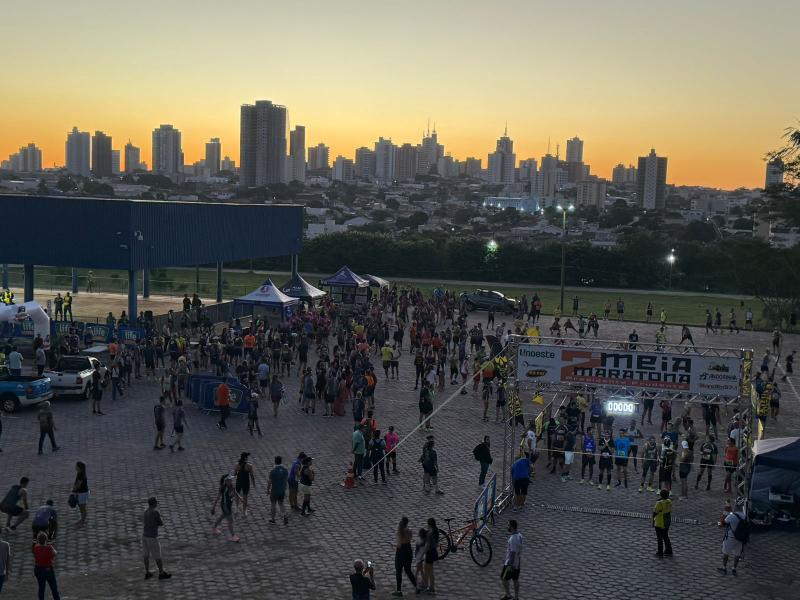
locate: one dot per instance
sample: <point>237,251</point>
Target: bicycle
<point>479,547</point>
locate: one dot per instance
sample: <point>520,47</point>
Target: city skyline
<point>707,89</point>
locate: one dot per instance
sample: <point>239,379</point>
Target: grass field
<point>680,307</point>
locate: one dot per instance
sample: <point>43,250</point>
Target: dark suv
<point>486,299</point>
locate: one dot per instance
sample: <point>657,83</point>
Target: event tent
<point>347,289</point>
<point>297,287</point>
<point>376,281</point>
<point>775,483</point>
<point>269,300</point>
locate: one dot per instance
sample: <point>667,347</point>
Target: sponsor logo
<point>530,353</point>
<point>717,376</point>
<point>535,373</point>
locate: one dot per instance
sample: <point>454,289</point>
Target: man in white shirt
<point>15,362</point>
<point>529,444</point>
<point>732,546</point>
<point>511,564</point>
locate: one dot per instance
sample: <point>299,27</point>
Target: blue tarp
<point>202,389</point>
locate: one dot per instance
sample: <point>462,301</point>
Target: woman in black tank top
<point>244,475</point>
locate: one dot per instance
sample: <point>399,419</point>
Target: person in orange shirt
<point>113,348</point>
<point>249,345</point>
<point>222,400</point>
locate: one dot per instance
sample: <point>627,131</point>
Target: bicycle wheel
<point>444,544</point>
<point>480,550</point>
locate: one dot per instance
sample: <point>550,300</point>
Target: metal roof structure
<point>104,233</point>
<point>140,235</point>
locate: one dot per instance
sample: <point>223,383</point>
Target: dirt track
<point>97,305</point>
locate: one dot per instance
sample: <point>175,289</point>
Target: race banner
<point>658,371</point>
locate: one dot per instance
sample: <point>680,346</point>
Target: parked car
<point>16,392</point>
<point>73,375</point>
<point>486,299</point>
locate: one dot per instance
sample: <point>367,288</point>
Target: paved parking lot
<point>568,553</point>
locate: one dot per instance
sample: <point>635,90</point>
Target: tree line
<point>742,266</point>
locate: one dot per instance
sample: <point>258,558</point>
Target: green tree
<point>379,215</point>
<point>66,184</point>
<point>463,215</point>
<point>699,231</point>
<point>92,187</point>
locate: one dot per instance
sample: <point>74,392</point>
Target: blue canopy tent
<point>775,483</point>
<point>347,289</point>
<point>269,301</point>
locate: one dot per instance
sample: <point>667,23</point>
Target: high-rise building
<point>133,158</point>
<point>228,164</point>
<point>167,152</point>
<point>319,157</point>
<point>618,175</point>
<point>774,175</point>
<point>622,175</point>
<point>651,181</point>
<point>446,166</point>
<point>28,159</point>
<point>78,152</point>
<point>384,160</point>
<point>297,152</point>
<point>101,155</point>
<point>472,167</point>
<point>528,169</point>
<point>430,151</point>
<point>502,162</point>
<point>343,169</point>
<point>213,155</point>
<point>365,163</point>
<point>574,166</point>
<point>575,150</point>
<point>406,162</point>
<point>547,183</point>
<point>115,163</point>
<point>591,192</point>
<point>262,154</point>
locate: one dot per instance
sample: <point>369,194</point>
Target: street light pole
<point>563,211</point>
<point>671,261</point>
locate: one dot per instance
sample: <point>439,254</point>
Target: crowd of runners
<point>339,361</point>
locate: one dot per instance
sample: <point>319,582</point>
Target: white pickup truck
<point>73,376</point>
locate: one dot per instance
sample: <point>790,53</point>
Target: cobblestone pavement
<point>567,553</point>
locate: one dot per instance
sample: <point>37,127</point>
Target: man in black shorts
<point>708,458</point>
<point>521,477</point>
<point>667,465</point>
<point>649,463</point>
<point>559,437</point>
<point>511,564</point>
<point>11,503</point>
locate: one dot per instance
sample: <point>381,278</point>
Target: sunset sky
<point>709,84</point>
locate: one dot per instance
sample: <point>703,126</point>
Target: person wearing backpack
<point>662,519</point>
<point>737,534</point>
<point>483,455</point>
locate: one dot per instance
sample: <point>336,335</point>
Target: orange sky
<point>708,84</point>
